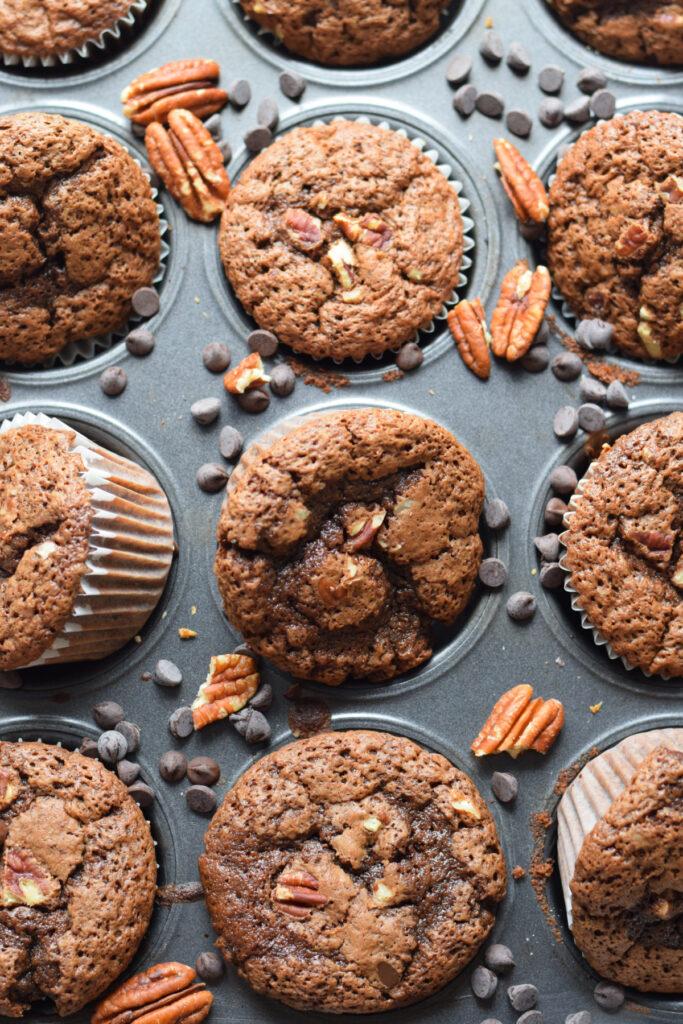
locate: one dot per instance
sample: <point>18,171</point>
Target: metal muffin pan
<point>506,422</point>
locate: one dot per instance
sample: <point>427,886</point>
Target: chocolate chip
<point>566,422</point>
<point>140,341</point>
<point>608,995</point>
<point>167,673</point>
<point>531,1017</point>
<point>523,997</point>
<point>563,480</point>
<point>257,138</point>
<point>491,1020</point>
<point>504,788</point>
<point>181,723</point>
<point>591,417</point>
<point>551,112</point>
<point>255,400</point>
<point>484,982</point>
<point>108,714</point>
<point>214,126</point>
<point>603,104</point>
<point>268,113</point>
<point>491,47</point>
<point>239,92</point>
<point>492,572</point>
<point>592,390</point>
<point>548,546</point>
<point>201,799</point>
<point>518,122</point>
<point>205,410</point>
<point>594,334</point>
<point>10,681</point>
<point>551,575</point>
<point>589,80</point>
<point>387,975</point>
<point>252,725</point>
<point>409,356</point>
<point>263,697</point>
<point>578,111</point>
<point>292,84</point>
<point>521,606</point>
<point>210,967</point>
<point>172,766</point>
<point>458,71</point>
<point>142,794</point>
<point>531,230</point>
<point>554,512</point>
<point>225,150</point>
<point>112,746</point>
<point>263,342</point>
<point>536,359</point>
<point>582,1017</point>
<point>616,395</point>
<point>542,336</point>
<point>282,380</point>
<point>498,957</point>
<point>88,747</point>
<point>216,356</point>
<point>113,380</point>
<point>465,100</point>
<point>230,442</point>
<point>203,771</point>
<point>518,58</point>
<point>497,514</point>
<point>127,771</point>
<point>566,366</point>
<point>131,734</point>
<point>550,78</point>
<point>145,301</point>
<point>490,103</point>
<point>211,477</point>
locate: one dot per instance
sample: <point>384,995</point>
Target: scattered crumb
<point>597,365</point>
<point>5,390</point>
<point>193,609</point>
<point>196,299</point>
<point>534,571</point>
<point>391,375</point>
<point>489,22</point>
<point>138,639</point>
<point>185,892</point>
<point>146,676</point>
<point>431,392</point>
<point>186,634</point>
<point>595,708</point>
<point>323,379</point>
<point>559,662</point>
<point>540,868</point>
<point>518,873</point>
<point>568,775</point>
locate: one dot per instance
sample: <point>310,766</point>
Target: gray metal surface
<point>505,422</point>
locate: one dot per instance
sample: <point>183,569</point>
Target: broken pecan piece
<point>165,994</point>
<point>186,84</point>
<point>233,680</point>
<point>632,241</point>
<point>343,260</point>
<point>672,188</point>
<point>516,319</point>
<point>25,881</point>
<point>246,375</point>
<point>9,787</point>
<point>303,230</point>
<point>523,186</point>
<point>296,894</point>
<point>368,229</point>
<point>644,330</point>
<point>518,723</point>
<point>363,531</point>
<point>190,164</point>
<point>468,327</point>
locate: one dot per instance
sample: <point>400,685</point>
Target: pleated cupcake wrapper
<point>130,551</point>
<point>92,48</point>
<point>593,792</point>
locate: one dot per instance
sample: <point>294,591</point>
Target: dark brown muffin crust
<point>41,28</point>
<point>625,546</point>
<point>615,230</point>
<point>627,903</point>
<point>45,515</point>
<point>360,32</point>
<point>77,877</point>
<point>278,237</point>
<point>404,859</point>
<point>79,233</point>
<point>638,31</point>
<point>315,590</point>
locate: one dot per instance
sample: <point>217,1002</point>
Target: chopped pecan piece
<point>652,539</point>
<point>190,164</point>
<point>25,881</point>
<point>523,300</point>
<point>343,260</point>
<point>672,188</point>
<point>644,329</point>
<point>296,894</point>
<point>165,994</point>
<point>363,531</point>
<point>246,375</point>
<point>368,229</point>
<point>523,186</point>
<point>186,84</point>
<point>518,723</point>
<point>233,680</point>
<point>9,787</point>
<point>304,231</point>
<point>468,326</point>
<point>464,806</point>
<point>633,241</point>
<point>677,577</point>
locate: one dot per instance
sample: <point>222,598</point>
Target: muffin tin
<point>506,422</point>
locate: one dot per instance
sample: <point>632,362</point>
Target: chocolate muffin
<point>362,32</point>
<point>625,546</point>
<point>79,233</point>
<point>343,540</point>
<point>77,878</point>
<point>627,891</point>
<point>352,872</point>
<point>343,239</point>
<point>615,230</point>
<point>637,31</point>
<point>37,28</point>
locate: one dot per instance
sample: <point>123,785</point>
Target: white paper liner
<point>267,438</point>
<point>108,37</point>
<point>593,792</point>
<point>130,553</point>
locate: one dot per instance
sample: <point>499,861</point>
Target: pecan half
<point>633,241</point>
<point>165,994</point>
<point>246,375</point>
<point>233,680</point>
<point>186,84</point>
<point>190,164</point>
<point>523,301</point>
<point>296,894</point>
<point>468,327</point>
<point>524,188</point>
<point>368,229</point>
<point>25,881</point>
<point>303,230</point>
<point>518,723</point>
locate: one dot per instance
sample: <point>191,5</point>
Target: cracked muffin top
<point>625,546</point>
<point>352,872</point>
<point>615,230</point>
<point>362,32</point>
<point>42,28</point>
<point>343,239</point>
<point>79,233</point>
<point>627,890</point>
<point>344,539</point>
<point>45,515</point>
<point>639,31</point>
<point>77,877</point>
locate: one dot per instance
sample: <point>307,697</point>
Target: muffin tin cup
<point>130,551</point>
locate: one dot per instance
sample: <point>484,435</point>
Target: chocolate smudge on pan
<point>596,365</point>
<point>309,716</point>
<point>184,892</point>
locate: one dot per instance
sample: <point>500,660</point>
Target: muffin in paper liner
<point>130,551</point>
<point>267,438</point>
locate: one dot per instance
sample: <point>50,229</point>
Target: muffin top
<point>77,877</point>
<point>41,28</point>
<point>627,902</point>
<point>624,546</point>
<point>342,540</point>
<point>353,871</point>
<point>79,231</point>
<point>45,515</point>
<point>362,32</point>
<point>615,230</point>
<point>343,239</point>
<point>644,31</point>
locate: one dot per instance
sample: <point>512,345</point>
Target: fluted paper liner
<point>595,789</point>
<point>130,552</point>
<point>268,437</point>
